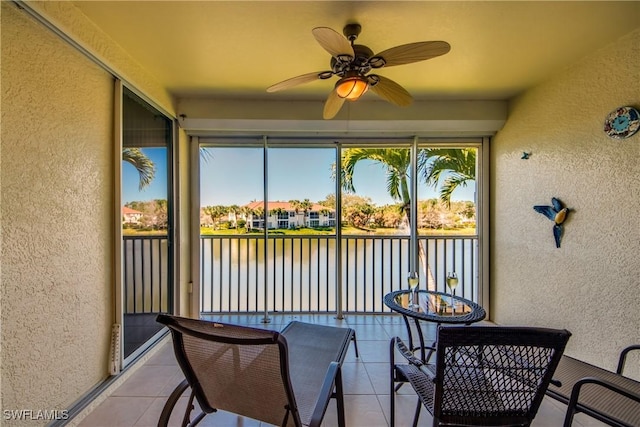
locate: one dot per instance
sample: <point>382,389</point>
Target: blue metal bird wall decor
<point>557,213</point>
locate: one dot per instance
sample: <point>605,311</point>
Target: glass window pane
<point>302,230</point>
<point>231,229</point>
<point>376,204</point>
<point>447,225</point>
<point>376,190</point>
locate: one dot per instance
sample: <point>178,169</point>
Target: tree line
<point>361,212</point>
<point>155,214</point>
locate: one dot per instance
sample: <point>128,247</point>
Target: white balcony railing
<point>298,272</point>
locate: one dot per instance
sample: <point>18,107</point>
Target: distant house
<point>131,216</point>
<point>285,215</point>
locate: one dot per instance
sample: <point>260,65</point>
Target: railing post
<point>265,163</point>
<point>338,272</point>
<point>413,209</point>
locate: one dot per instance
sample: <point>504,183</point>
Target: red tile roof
<point>284,206</point>
<point>129,211</point>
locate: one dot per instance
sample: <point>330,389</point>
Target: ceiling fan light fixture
<point>352,87</point>
<point>351,63</point>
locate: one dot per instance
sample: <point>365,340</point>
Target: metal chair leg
<point>172,400</point>
<point>340,398</point>
<point>355,343</point>
<point>392,389</point>
<point>417,413</point>
<point>171,403</point>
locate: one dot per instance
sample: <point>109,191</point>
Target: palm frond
<point>145,167</point>
<point>393,184</point>
<point>452,167</point>
<point>395,161</point>
<point>452,182</point>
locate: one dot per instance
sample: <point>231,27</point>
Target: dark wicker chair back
<point>486,375</point>
<point>236,369</point>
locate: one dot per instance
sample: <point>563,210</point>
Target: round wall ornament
<point>622,122</point>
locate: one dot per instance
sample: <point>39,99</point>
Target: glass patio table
<point>434,307</point>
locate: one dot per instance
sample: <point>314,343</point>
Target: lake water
<point>299,273</point>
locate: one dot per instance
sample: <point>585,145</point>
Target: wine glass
<point>413,280</point>
<point>452,282</point>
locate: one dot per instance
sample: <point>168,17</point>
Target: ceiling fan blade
<point>390,91</point>
<point>332,105</point>
<point>333,42</point>
<point>295,81</point>
<point>408,53</point>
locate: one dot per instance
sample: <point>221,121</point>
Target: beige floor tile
<point>360,411</point>
<point>380,377</point>
<point>548,415</point>
<point>171,384</point>
<point>164,357</point>
<point>370,332</point>
<point>585,421</point>
<point>152,414</point>
<point>216,419</point>
<point>395,330</point>
<point>351,354</point>
<point>405,410</point>
<point>355,379</point>
<point>117,412</point>
<point>362,319</point>
<point>148,381</point>
<point>374,351</point>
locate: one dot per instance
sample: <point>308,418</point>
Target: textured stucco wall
<point>591,285</point>
<point>56,204</point>
<point>68,18</point>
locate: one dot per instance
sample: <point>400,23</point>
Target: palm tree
<point>459,166</point>
<point>215,212</point>
<point>145,167</point>
<point>259,213</point>
<point>396,162</point>
<point>295,204</point>
<point>235,210</point>
<point>306,206</point>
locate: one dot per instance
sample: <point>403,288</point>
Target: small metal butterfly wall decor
<point>557,213</point>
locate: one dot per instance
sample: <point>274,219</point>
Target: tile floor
<point>139,400</point>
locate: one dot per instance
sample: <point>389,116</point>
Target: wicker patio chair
<point>282,378</point>
<point>607,396</point>
<point>483,375</point>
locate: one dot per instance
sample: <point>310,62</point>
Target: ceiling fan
<point>352,63</point>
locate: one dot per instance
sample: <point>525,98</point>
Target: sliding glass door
<point>147,261</point>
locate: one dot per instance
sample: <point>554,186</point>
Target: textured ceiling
<point>236,49</point>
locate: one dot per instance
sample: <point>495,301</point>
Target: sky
<point>158,187</point>
<point>233,176</point>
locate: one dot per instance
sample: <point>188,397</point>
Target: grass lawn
<point>134,232</point>
<point>347,230</point>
